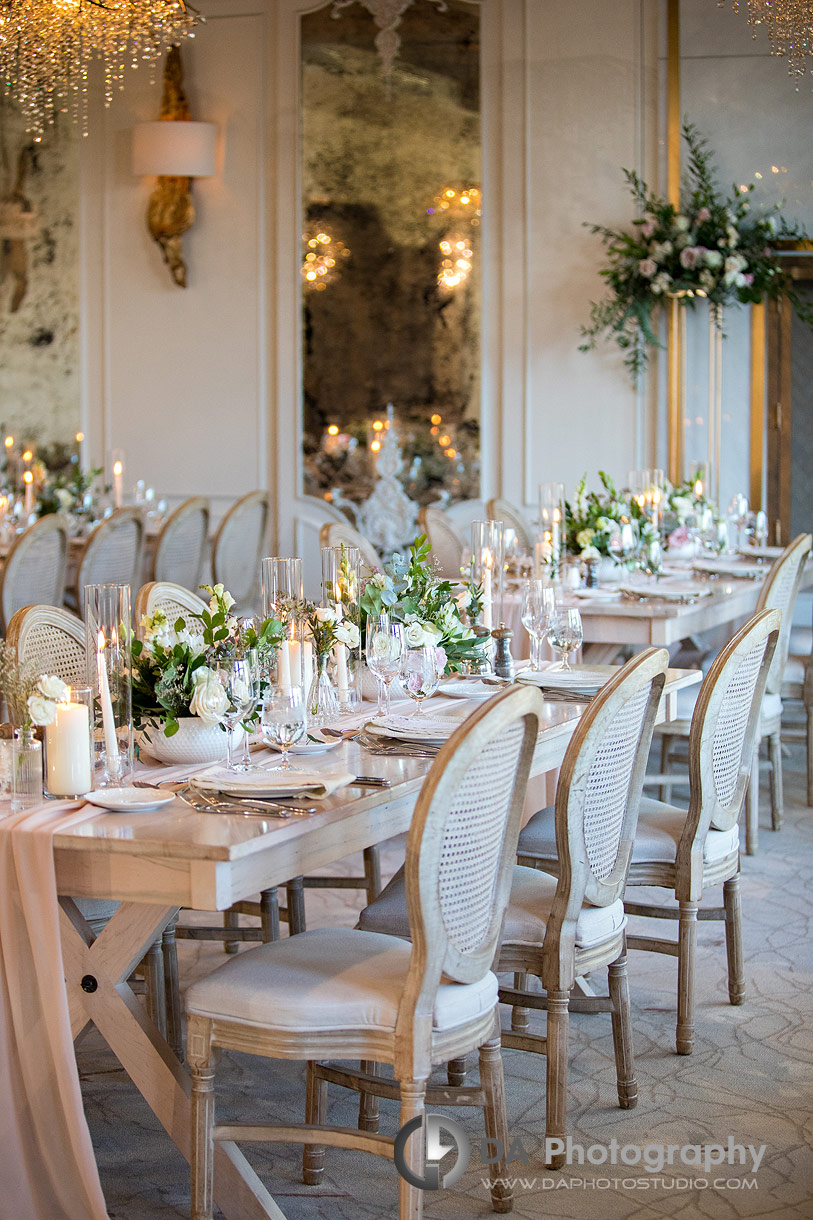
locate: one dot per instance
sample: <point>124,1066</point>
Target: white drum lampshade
<point>175,148</point>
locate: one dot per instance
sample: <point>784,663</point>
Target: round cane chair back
<point>462,841</point>
<point>444,540</point>
<point>779,593</point>
<point>512,518</point>
<point>112,553</point>
<point>50,640</point>
<point>599,789</point>
<point>173,600</point>
<point>724,727</point>
<point>181,547</point>
<point>334,534</point>
<point>34,571</point>
<point>239,546</point>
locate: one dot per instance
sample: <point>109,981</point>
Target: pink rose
<point>648,228</point>
<point>690,257</point>
<point>678,538</point>
<point>647,267</point>
<point>703,214</point>
<point>749,278</point>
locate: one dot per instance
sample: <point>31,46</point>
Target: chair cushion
<point>794,673</point>
<point>526,918</point>
<point>328,979</point>
<point>538,837</point>
<point>660,827</point>
<point>686,699</point>
<point>529,910</point>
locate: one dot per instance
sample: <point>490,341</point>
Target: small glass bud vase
<point>323,700</point>
<point>26,770</point>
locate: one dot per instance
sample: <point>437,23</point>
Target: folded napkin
<point>579,679</point>
<point>415,728</point>
<point>317,784</point>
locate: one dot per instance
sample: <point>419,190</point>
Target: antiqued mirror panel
<point>391,248</point>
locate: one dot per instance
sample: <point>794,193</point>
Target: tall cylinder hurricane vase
<point>341,590</point>
<point>108,633</point>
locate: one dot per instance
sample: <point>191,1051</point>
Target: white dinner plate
<point>130,800</point>
<point>740,569</point>
<point>307,747</point>
<point>460,689</point>
<point>582,680</point>
<point>667,593</point>
<point>598,594</point>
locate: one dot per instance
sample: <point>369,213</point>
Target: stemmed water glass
<point>386,648</point>
<point>421,673</point>
<point>283,720</point>
<point>738,516</point>
<point>236,676</point>
<point>537,604</point>
<point>565,632</point>
<point>623,543</point>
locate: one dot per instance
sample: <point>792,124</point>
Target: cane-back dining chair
<point>797,687</point>
<point>333,533</point>
<point>238,547</point>
<point>444,539</point>
<point>52,640</point>
<point>777,593</point>
<point>345,994</point>
<point>512,518</point>
<point>180,549</point>
<point>34,571</point>
<point>688,852</point>
<point>559,930</point>
<point>112,554</point>
<point>174,600</point>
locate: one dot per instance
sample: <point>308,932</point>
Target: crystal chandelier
<point>790,28</point>
<point>46,46</point>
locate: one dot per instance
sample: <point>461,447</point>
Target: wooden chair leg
<point>752,808</point>
<point>201,1159</point>
<point>372,872</point>
<point>456,1072</point>
<point>492,1081</point>
<point>230,920</point>
<point>313,1155</point>
<point>172,992</point>
<point>520,1017</point>
<point>369,1109</point>
<point>153,967</point>
<point>733,939</point>
<point>556,1101</point>
<point>777,793</point>
<point>269,914</point>
<point>687,943</point>
<point>410,1198</point>
<point>622,1034</point>
<point>295,890</point>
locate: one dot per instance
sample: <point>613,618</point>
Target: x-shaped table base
<point>96,974</point>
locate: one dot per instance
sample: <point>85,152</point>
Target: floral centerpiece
<point>712,247</point>
<point>172,678</point>
<point>591,518</point>
<point>412,591</point>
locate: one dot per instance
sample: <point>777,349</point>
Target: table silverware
<point>203,802</point>
<point>371,781</point>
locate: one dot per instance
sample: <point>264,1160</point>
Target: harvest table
<point>156,863</point>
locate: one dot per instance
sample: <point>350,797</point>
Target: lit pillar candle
<point>285,667</point>
<point>111,744</point>
<point>342,685</point>
<point>67,751</point>
<point>487,595</point>
<point>28,479</point>
<point>118,475</point>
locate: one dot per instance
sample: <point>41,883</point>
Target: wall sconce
<point>174,149</point>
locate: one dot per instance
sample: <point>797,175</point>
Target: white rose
<point>681,222</point>
<point>327,614</point>
<point>64,497</point>
<point>41,710</point>
<point>53,688</point>
<point>349,634</point>
<point>682,507</point>
<point>713,259</point>
<point>433,634</point>
<point>209,701</point>
<point>416,636</point>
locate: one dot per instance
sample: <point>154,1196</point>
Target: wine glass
<point>237,679</point>
<point>738,515</point>
<point>386,647</point>
<point>565,632</point>
<point>283,720</point>
<point>537,604</point>
<point>421,673</point>
<point>623,543</point>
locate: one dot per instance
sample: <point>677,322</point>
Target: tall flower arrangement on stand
<point>713,247</point>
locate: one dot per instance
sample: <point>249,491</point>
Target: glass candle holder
<point>281,583</point>
<point>108,634</point>
<point>68,754</point>
<point>26,770</point>
<point>552,528</point>
<point>340,578</point>
<point>487,561</point>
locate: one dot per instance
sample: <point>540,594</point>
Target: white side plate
<point>130,800</point>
